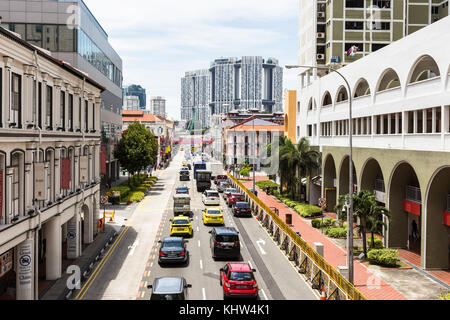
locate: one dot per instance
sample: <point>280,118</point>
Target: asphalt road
<point>132,261</point>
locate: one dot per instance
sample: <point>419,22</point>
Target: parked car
<point>211,197</point>
<point>222,186</point>
<point>181,226</point>
<point>212,216</point>
<point>233,198</point>
<point>238,280</point>
<point>220,178</point>
<point>173,250</point>
<point>242,209</point>
<point>169,288</point>
<point>224,243</point>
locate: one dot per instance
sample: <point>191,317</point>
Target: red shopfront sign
<point>65,173</point>
<point>447,218</point>
<point>411,207</point>
<point>103,160</point>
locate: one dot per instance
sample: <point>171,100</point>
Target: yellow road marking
<point>97,270</point>
<point>143,294</point>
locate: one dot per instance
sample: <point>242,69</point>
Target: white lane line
<point>199,243</point>
<point>201,264</point>
<point>264,294</point>
<point>250,264</point>
<point>204,294</point>
<point>198,229</point>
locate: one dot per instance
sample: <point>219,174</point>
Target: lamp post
<point>350,207</point>
<point>254,153</point>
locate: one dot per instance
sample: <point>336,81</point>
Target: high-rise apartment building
<point>136,91</point>
<point>329,30</point>
<point>158,106</point>
<point>195,96</point>
<point>131,103</point>
<point>69,30</point>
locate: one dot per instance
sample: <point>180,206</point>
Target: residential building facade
<point>131,103</point>
<point>158,106</point>
<point>50,129</point>
<point>135,90</point>
<point>71,33</point>
<point>195,97</point>
<point>401,137</point>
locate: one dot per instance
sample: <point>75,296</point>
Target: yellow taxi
<point>213,215</point>
<point>183,163</point>
<point>181,226</point>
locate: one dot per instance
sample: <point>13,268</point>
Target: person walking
<point>415,231</point>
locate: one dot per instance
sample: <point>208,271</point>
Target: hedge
<point>378,243</point>
<point>327,222</point>
<point>336,232</point>
<point>384,257</point>
<point>307,210</point>
<point>273,187</point>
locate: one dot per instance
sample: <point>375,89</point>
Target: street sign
<point>104,200</point>
<point>322,202</point>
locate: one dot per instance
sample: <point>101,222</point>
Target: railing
<point>379,185</point>
<point>413,194</point>
<point>324,267</point>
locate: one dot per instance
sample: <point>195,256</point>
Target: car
<point>169,288</point>
<point>189,166</point>
<point>184,175</point>
<point>242,209</point>
<point>182,190</point>
<point>173,250</point>
<point>222,186</point>
<point>233,198</point>
<point>211,197</point>
<point>227,192</point>
<point>238,280</point>
<point>181,226</point>
<point>213,216</point>
<point>219,178</point>
<point>184,168</point>
<point>224,243</point>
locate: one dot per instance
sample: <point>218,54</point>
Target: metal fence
<point>413,194</point>
<point>317,270</point>
<point>379,185</point>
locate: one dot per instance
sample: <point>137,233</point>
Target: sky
<point>160,40</point>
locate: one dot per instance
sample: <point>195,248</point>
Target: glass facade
<point>89,51</point>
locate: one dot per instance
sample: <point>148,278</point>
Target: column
<point>98,106</point>
<point>53,238</point>
<point>25,271</point>
<point>9,212</point>
<point>76,108</point>
<point>73,235</point>
<point>57,103</point>
<point>7,91</point>
<point>29,102</point>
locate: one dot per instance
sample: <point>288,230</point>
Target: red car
<point>237,280</point>
<point>233,198</point>
<point>220,178</point>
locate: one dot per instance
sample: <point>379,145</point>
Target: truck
<point>203,179</point>
<point>198,165</point>
<point>216,169</point>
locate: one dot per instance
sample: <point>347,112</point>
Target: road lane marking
<point>201,264</point>
<point>264,294</point>
<point>250,264</point>
<point>199,243</point>
<point>261,242</point>
<point>204,293</point>
<point>133,247</point>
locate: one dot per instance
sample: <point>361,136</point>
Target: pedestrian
<point>415,231</point>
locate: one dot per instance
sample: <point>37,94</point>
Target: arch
<point>402,176</point>
<point>389,79</point>
<point>326,99</point>
<point>372,178</point>
<point>341,95</point>
<point>343,182</point>
<point>86,224</point>
<point>437,201</point>
<point>424,68</point>
<point>362,88</point>
<point>312,104</point>
<point>17,164</point>
<point>328,181</point>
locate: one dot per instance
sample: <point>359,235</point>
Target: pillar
<point>25,271</point>
<point>73,236</point>
<point>54,248</point>
<point>57,172</point>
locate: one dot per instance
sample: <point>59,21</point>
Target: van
<point>224,243</point>
<point>181,204</point>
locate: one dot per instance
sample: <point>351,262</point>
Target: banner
<point>39,181</point>
<point>84,166</point>
<point>65,173</point>
<point>103,160</point>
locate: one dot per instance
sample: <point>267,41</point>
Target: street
<point>132,261</point>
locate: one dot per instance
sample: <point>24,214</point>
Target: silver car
<point>222,186</point>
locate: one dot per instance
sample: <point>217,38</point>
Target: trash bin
<point>288,218</point>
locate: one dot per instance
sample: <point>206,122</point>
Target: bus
<point>199,165</point>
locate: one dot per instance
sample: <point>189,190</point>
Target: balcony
<point>413,194</point>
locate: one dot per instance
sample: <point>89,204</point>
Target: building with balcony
<point>158,106</point>
<point>195,97</point>
<point>71,33</point>
<point>50,136</point>
<point>401,136</point>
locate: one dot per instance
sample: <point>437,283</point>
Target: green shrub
<point>383,257</point>
<point>378,243</point>
<point>336,232</point>
<point>124,190</point>
<point>142,189</point>
<point>135,196</point>
<point>307,210</point>
<point>445,296</point>
<point>316,223</point>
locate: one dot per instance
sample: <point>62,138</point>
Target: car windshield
<point>212,194</point>
<point>171,244</point>
<point>213,212</point>
<point>181,221</point>
<point>236,195</point>
<point>227,238</point>
<point>230,190</point>
<point>241,276</point>
<point>221,177</point>
<point>242,205</point>
<point>182,190</point>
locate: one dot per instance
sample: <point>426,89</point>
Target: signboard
<point>447,218</point>
<point>1,193</point>
<point>103,160</point>
<point>39,181</point>
<point>84,166</point>
<point>322,202</point>
<point>65,173</point>
<point>411,207</point>
<point>6,262</point>
<point>25,265</point>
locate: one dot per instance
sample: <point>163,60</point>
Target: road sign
<point>322,202</point>
<point>104,200</point>
<point>110,215</point>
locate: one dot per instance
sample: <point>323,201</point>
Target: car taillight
<point>236,243</point>
<point>255,285</point>
<point>217,243</point>
<point>237,209</point>
<point>183,253</point>
<point>162,254</point>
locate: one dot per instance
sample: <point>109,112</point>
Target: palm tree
<point>307,160</point>
<point>376,222</point>
<point>283,170</point>
<point>288,163</point>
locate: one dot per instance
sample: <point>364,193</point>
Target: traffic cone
<point>323,297</point>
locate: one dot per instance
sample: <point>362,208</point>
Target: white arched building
<point>401,136</point>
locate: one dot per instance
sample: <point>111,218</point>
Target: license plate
<point>240,286</point>
<point>213,218</point>
<point>180,229</point>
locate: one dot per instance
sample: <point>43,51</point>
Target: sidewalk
<point>369,280</point>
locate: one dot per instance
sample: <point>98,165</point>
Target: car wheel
<point>225,296</point>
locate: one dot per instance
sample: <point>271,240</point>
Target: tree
<point>306,159</point>
<point>339,208</point>
<point>137,148</point>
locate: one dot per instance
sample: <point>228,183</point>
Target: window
<point>16,103</point>
<point>410,121</point>
<point>382,4</point>
<point>34,34</point>
<point>349,45</point>
<point>66,39</point>
<point>49,109</point>
<point>377,46</point>
<point>40,105</point>
<point>438,119</point>
<point>50,37</point>
<point>86,115</point>
<point>378,124</point>
<point>429,120</point>
<point>400,123</point>
<point>16,183</point>
<point>354,3</point>
<point>93,117</point>
<point>70,115</point>
<point>381,25</point>
<point>79,115</point>
<point>354,25</point>
<point>63,111</point>
<point>393,117</point>
<point>420,121</point>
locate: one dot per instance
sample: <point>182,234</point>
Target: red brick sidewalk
<point>371,286</point>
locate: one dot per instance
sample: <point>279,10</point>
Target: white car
<point>211,197</point>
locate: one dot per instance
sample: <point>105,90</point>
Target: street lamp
<point>350,207</point>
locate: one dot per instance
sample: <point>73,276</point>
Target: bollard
<point>318,246</point>
<point>343,270</point>
<point>288,219</point>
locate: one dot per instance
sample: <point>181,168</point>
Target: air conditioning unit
<point>320,35</point>
<point>320,14</point>
<point>320,56</point>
